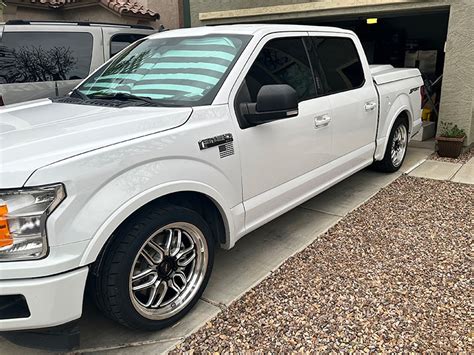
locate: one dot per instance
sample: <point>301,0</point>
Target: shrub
<point>450,130</point>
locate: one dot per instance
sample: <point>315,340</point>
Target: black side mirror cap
<point>274,102</point>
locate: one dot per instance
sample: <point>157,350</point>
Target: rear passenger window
<point>337,63</point>
<point>282,61</point>
<point>44,56</point>
<point>123,40</point>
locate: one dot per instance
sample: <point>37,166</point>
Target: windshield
<point>180,71</point>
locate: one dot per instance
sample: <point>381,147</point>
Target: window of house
<point>282,61</point>
<point>337,63</point>
<point>123,40</point>
<point>44,56</point>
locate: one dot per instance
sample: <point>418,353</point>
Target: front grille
<point>13,306</point>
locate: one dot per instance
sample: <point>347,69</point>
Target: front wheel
<point>156,268</point>
<point>396,148</point>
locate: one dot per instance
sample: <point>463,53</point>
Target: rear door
<point>45,61</point>
<point>344,72</point>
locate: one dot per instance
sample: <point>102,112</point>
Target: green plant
<point>449,130</point>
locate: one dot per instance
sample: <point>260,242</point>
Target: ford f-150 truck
<point>182,143</point>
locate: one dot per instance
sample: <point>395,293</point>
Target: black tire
<point>109,278</point>
<point>386,164</point>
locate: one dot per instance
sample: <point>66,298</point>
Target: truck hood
<point>39,133</point>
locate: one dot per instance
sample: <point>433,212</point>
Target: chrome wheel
<point>399,145</point>
<point>168,270</point>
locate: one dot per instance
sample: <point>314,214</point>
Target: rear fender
<point>401,105</point>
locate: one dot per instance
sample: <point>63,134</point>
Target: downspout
<point>186,13</point>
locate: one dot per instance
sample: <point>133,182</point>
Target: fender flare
<point>100,238</point>
<point>400,105</point>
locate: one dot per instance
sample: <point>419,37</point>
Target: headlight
<point>23,215</point>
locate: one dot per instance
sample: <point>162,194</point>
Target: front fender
<point>96,206</point>
<point>136,202</point>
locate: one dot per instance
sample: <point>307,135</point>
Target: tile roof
<point>53,3</point>
<point>128,7</point>
<point>121,7</point>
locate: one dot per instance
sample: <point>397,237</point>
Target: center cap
<point>166,268</point>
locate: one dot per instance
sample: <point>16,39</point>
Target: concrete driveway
<point>236,271</point>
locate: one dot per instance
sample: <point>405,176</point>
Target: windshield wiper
<point>79,94</point>
<point>122,96</point>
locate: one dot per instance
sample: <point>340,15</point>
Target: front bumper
<point>51,301</point>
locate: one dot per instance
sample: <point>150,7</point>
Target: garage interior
<point>404,40</point>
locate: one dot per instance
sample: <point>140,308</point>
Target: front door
<point>275,155</point>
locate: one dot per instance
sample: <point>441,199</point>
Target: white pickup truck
<point>184,142</point>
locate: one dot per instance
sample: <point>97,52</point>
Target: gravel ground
<point>394,275</point>
<point>463,158</point>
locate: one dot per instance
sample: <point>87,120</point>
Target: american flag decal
<point>226,149</point>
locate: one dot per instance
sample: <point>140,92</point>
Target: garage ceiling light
<point>372,21</point>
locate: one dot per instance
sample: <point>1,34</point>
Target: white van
<point>48,59</point>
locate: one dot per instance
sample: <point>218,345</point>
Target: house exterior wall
<point>97,14</point>
<point>170,12</point>
<point>457,99</point>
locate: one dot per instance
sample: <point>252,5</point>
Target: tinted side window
<point>282,61</point>
<point>338,64</point>
<point>44,56</point>
<point>121,41</point>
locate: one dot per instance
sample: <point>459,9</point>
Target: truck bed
<point>386,73</point>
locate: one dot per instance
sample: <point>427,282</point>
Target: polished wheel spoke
<point>147,258</point>
<point>162,294</point>
<point>146,284</point>
<point>186,256</point>
<point>143,274</point>
<point>399,145</point>
<point>168,241</point>
<point>176,245</point>
<point>178,281</point>
<point>159,251</point>
<point>153,293</point>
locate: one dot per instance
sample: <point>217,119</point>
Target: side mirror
<point>274,102</point>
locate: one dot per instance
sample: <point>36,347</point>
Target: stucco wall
<point>457,100</point>
<point>200,6</point>
<point>169,10</point>
<point>95,13</point>
<point>12,12</point>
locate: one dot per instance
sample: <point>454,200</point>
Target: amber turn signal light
<point>5,236</point>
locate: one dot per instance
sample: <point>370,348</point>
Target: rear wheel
<point>156,268</point>
<point>396,147</point>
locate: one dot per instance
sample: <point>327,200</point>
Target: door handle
<point>370,106</point>
<point>321,121</point>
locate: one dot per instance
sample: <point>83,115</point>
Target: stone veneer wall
<point>457,100</point>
